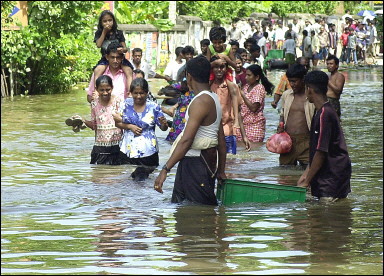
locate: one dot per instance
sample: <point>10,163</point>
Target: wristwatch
<point>166,168</point>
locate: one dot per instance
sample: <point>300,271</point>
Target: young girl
<point>106,33</point>
<point>139,118</point>
<point>106,149</point>
<point>251,110</point>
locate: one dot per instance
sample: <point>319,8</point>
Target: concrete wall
<point>159,47</point>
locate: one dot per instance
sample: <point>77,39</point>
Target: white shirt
<point>260,61</point>
<point>146,68</point>
<point>172,68</point>
<point>309,29</point>
<point>316,27</point>
<point>262,41</point>
<point>280,32</point>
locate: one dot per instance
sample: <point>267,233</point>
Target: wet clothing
<point>299,154</point>
<point>326,135</point>
<point>254,122</point>
<point>178,122</point>
<point>106,148</point>
<point>225,98</point>
<point>107,134</point>
<point>300,142</point>
<point>139,146</point>
<point>196,172</point>
<point>231,144</point>
<point>194,182</point>
<point>336,105</point>
<point>108,155</point>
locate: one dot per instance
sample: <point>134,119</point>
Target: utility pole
<point>172,11</point>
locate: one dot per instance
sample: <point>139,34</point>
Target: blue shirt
<point>145,144</point>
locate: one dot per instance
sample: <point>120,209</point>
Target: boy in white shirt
<point>262,43</point>
<point>174,65</point>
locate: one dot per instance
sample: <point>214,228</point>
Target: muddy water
<point>61,215</point>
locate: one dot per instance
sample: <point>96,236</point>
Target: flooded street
<point>61,215</point>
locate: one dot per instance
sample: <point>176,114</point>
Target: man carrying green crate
<point>200,144</point>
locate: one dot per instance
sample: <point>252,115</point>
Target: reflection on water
<point>61,215</point>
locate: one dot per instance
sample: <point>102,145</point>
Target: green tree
<point>144,12</point>
<point>222,11</point>
<point>282,8</point>
<point>56,49</point>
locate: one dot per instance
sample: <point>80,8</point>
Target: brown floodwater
<point>61,215</point>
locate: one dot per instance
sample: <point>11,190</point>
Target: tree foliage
<point>222,11</point>
<point>56,49</point>
<point>144,12</point>
<point>225,11</point>
<point>282,8</point>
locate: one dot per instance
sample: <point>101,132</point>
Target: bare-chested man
<point>296,115</point>
<point>335,83</point>
<point>229,99</point>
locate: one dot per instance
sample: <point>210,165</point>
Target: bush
<point>56,50</point>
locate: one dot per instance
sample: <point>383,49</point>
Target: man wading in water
<point>200,143</point>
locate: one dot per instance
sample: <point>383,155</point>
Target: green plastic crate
<point>237,191</point>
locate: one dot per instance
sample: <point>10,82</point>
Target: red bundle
<point>279,143</point>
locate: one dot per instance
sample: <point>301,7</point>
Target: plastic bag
<point>279,143</point>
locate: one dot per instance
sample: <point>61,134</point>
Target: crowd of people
<point>220,106</point>
<point>354,40</point>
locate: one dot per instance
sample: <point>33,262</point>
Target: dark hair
<point>213,58</point>
<point>289,35</point>
<point>217,33</point>
<point>178,50</point>
<point>257,71</point>
<point>265,34</point>
<point>234,42</point>
<point>139,82</point>
<point>240,51</point>
<point>112,47</point>
<point>188,50</point>
<point>249,40</point>
<point>205,41</point>
<point>136,50</point>
<point>296,71</point>
<point>104,79</point>
<point>318,80</point>
<point>238,56</point>
<point>299,59</point>
<point>305,33</point>
<point>100,25</point>
<point>199,68</point>
<point>254,48</point>
<point>330,57</point>
<point>138,71</point>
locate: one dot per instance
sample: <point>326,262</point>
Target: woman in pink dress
<point>251,110</point>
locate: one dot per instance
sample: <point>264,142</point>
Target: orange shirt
<point>283,85</point>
